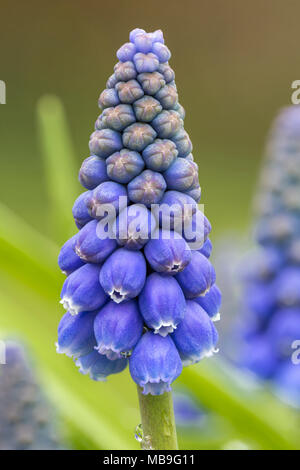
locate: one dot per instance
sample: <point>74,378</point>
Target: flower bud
<point>167,96</point>
<point>155,364</point>
<point>129,92</point>
<point>123,274</point>
<point>108,193</point>
<point>138,136</point>
<point>145,62</point>
<point>147,108</point>
<point>182,175</point>
<point>126,52</point>
<point>108,98</point>
<point>167,124</point>
<point>147,188</point>
<point>123,166</point>
<point>161,51</point>
<point>125,71</point>
<point>166,72</point>
<point>82,291</point>
<point>195,337</point>
<point>160,155</point>
<point>92,172</point>
<point>68,260</point>
<point>118,328</point>
<point>105,142</point>
<point>80,210</point>
<point>162,303</point>
<point>119,117</point>
<point>151,82</point>
<point>182,142</point>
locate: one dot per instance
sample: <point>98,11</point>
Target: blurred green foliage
<point>104,415</point>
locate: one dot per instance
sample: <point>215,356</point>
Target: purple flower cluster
<point>26,422</point>
<point>140,294</point>
<point>271,326</point>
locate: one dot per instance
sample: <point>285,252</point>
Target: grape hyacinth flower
<point>26,422</point>
<point>131,268</point>
<point>270,326</point>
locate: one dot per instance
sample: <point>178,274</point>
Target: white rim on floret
<point>68,304</point>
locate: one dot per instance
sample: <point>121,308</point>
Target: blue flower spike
<point>271,295</point>
<point>140,288</point>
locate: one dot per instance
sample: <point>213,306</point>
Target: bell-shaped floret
<point>134,227</point>
<point>91,247</point>
<point>98,367</point>
<point>167,97</point>
<point>118,328</point>
<point>167,252</point>
<point>198,277</point>
<point>162,303</point>
<point>82,291</point>
<point>76,334</point>
<point>126,52</point>
<point>196,336</point>
<point>68,260</point>
<point>155,364</point>
<point>123,274</point>
<point>211,302</point>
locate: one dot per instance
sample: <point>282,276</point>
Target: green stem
<point>158,421</point>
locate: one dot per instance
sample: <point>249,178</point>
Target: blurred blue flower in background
<point>271,299</point>
<point>26,419</point>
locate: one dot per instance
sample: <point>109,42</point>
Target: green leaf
<point>60,165</point>
<point>254,412</point>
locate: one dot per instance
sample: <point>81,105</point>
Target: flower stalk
<point>158,421</point>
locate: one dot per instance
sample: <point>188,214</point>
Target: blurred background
<point>234,63</point>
